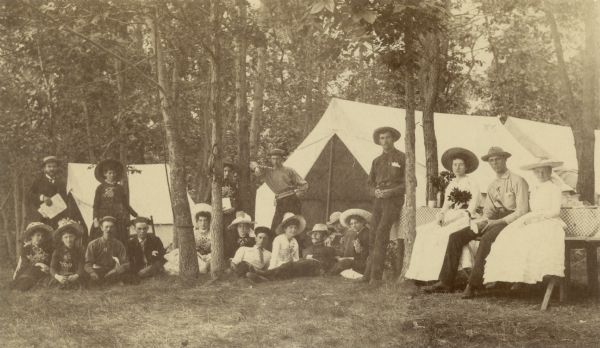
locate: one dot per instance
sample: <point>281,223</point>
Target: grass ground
<point>307,312</point>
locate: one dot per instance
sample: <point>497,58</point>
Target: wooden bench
<point>581,232</point>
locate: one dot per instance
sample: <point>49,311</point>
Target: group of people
<point>520,234</point>
<point>499,244</point>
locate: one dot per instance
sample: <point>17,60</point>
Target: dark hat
<point>108,218</point>
<point>35,227</point>
<point>378,131</point>
<point>471,161</point>
<point>262,229</point>
<point>277,152</point>
<point>141,219</point>
<point>50,159</point>
<point>109,164</point>
<point>230,164</point>
<point>495,151</point>
<point>67,225</point>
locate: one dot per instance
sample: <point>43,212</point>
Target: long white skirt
<point>430,245</point>
<point>527,253</point>
<point>172,265</point>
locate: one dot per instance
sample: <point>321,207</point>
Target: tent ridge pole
<point>330,177</point>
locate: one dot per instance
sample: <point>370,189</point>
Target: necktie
<point>261,255</point>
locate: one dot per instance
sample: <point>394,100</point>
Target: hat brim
<point>76,228</point>
<point>551,164</point>
<point>470,159</point>
<point>100,169</point>
<point>325,232</point>
<point>301,222</point>
<point>51,160</point>
<point>395,134</point>
<point>503,154</point>
<point>262,229</point>
<point>235,223</point>
<point>39,227</point>
<point>346,215</point>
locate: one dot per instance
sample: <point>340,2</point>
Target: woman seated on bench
<point>533,246</point>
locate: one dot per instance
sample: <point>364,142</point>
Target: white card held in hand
<point>226,203</point>
<point>57,207</point>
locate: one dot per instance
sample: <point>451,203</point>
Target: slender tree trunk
<point>217,262</point>
<point>409,143</point>
<point>50,102</point>
<point>8,236</point>
<point>88,132</point>
<point>259,83</point>
<point>582,126</point>
<point>18,212</point>
<point>241,110</point>
<point>188,262</point>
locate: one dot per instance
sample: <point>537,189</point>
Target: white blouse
<point>544,201</point>
<point>284,250</point>
<point>464,183</point>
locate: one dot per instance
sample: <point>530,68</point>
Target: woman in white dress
<point>456,214</point>
<point>533,246</point>
<point>202,238</point>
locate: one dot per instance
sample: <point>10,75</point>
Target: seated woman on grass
<point>34,262</point>
<point>68,260</point>
<point>357,220</point>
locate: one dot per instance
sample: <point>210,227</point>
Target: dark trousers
<point>241,268</point>
<point>386,211</point>
<point>289,204</point>
<point>150,270</point>
<point>456,242</point>
<point>301,268</point>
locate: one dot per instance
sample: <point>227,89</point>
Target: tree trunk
<point>409,143</point>
<point>582,125</point>
<point>430,72</point>
<point>241,111</point>
<point>188,262</point>
<point>8,236</point>
<point>17,197</point>
<point>259,83</point>
<point>88,132</point>
<point>217,262</point>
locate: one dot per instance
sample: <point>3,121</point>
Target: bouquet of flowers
<point>459,198</point>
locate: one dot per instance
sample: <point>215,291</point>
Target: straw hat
<point>471,161</point>
<point>334,217</point>
<point>277,152</point>
<point>320,228</point>
<point>202,209</point>
<point>378,131</point>
<point>241,218</point>
<point>141,219</point>
<point>495,151</point>
<point>35,227</point>
<point>68,225</point>
<point>346,215</point>
<point>109,163</point>
<point>542,162</point>
<point>50,159</point>
<point>289,217</point>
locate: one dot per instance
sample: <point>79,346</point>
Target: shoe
<point>468,293</point>
<point>438,287</point>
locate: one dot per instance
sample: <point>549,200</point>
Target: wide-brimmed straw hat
<point>50,159</point>
<point>334,217</point>
<point>320,228</point>
<point>277,152</point>
<point>471,161</point>
<point>495,151</point>
<point>287,219</point>
<point>202,209</point>
<point>395,133</point>
<point>112,164</point>
<point>241,218</point>
<point>35,227</point>
<point>68,225</point>
<point>542,162</point>
<point>346,215</point>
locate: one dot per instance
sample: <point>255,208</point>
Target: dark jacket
<point>67,261</point>
<point>141,256</point>
<point>42,186</point>
<point>360,259</point>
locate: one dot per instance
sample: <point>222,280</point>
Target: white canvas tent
<point>148,194</point>
<point>353,124</point>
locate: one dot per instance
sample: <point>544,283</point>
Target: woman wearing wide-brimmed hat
<point>357,221</point>
<point>66,267</point>
<point>34,262</point>
<point>462,198</point>
<point>285,246</point>
<point>532,246</point>
<point>239,233</point>
<point>111,199</point>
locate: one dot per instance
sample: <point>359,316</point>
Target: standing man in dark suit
<point>386,181</point>
<point>146,251</point>
<point>43,189</point>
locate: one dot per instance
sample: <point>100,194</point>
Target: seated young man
<point>106,258</point>
<point>248,259</point>
<point>146,251</point>
<point>318,259</point>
